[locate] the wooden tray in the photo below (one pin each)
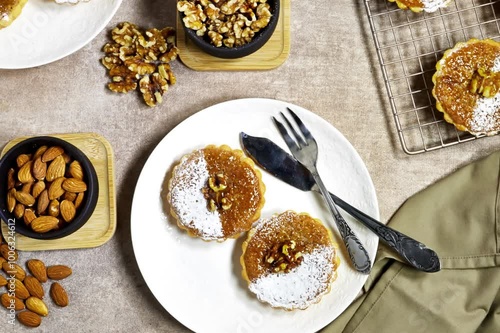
(271, 55)
(102, 224)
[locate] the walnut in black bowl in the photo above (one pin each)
(48, 188)
(229, 28)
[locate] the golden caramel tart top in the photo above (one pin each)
(466, 85)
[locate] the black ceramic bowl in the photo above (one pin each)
(256, 43)
(29, 146)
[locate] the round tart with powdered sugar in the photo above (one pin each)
(289, 260)
(417, 6)
(216, 193)
(467, 86)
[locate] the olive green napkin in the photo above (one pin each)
(458, 217)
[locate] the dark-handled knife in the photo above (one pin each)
(283, 166)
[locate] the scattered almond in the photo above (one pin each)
(43, 202)
(34, 286)
(8, 254)
(68, 210)
(55, 188)
(59, 295)
(14, 269)
(29, 216)
(37, 306)
(20, 290)
(58, 272)
(44, 223)
(24, 198)
(29, 318)
(24, 173)
(3, 281)
(75, 170)
(37, 268)
(39, 169)
(6, 301)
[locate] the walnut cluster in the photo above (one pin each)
(217, 193)
(141, 59)
(226, 22)
(283, 257)
(485, 83)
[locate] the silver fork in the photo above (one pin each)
(306, 152)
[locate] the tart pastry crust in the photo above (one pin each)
(467, 84)
(289, 260)
(418, 6)
(216, 193)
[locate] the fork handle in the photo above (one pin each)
(357, 252)
(414, 252)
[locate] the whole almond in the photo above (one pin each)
(43, 202)
(39, 152)
(44, 223)
(3, 281)
(34, 287)
(6, 301)
(39, 169)
(68, 210)
(53, 208)
(79, 199)
(29, 216)
(24, 198)
(29, 318)
(74, 185)
(27, 187)
(2, 260)
(20, 290)
(37, 268)
(14, 269)
(11, 182)
(24, 174)
(51, 153)
(55, 188)
(22, 160)
(70, 196)
(37, 306)
(59, 295)
(58, 272)
(8, 254)
(11, 200)
(75, 170)
(66, 157)
(19, 210)
(56, 168)
(38, 187)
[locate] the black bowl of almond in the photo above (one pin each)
(48, 188)
(229, 28)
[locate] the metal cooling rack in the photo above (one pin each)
(408, 47)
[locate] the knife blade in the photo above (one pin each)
(283, 166)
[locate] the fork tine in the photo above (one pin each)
(292, 145)
(301, 125)
(297, 136)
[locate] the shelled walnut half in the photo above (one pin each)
(141, 59)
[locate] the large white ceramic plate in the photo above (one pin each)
(46, 31)
(198, 282)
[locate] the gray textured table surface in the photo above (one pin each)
(332, 70)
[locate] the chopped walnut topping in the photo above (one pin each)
(217, 193)
(485, 83)
(283, 257)
(230, 23)
(137, 58)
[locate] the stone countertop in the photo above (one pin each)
(332, 70)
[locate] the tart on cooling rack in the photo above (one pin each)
(215, 193)
(289, 260)
(418, 6)
(467, 86)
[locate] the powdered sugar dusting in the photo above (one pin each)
(433, 5)
(302, 286)
(486, 114)
(496, 65)
(188, 201)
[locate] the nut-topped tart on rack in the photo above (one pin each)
(467, 86)
(418, 6)
(216, 193)
(289, 260)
